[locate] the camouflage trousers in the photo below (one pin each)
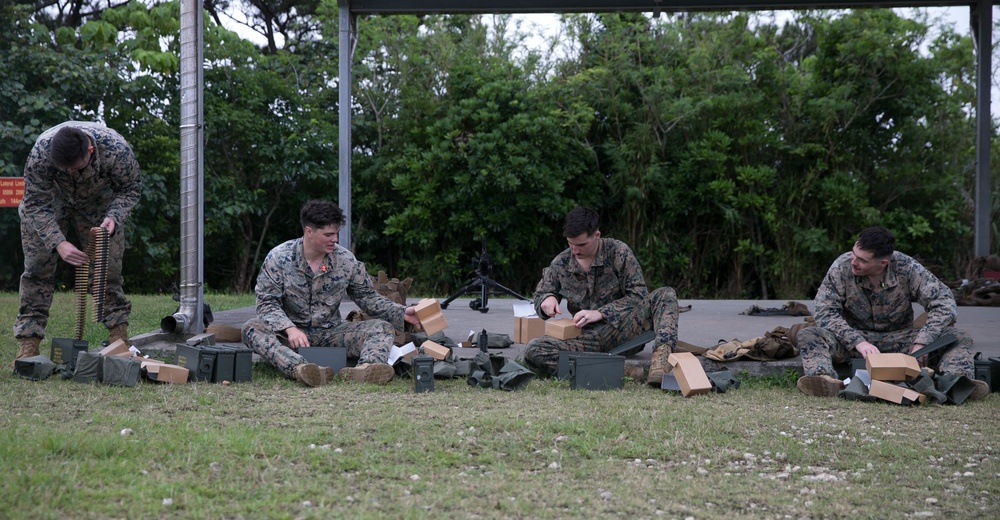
(366, 341)
(820, 349)
(658, 312)
(38, 279)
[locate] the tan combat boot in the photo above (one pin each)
(309, 374)
(27, 347)
(820, 385)
(658, 365)
(980, 391)
(118, 332)
(374, 373)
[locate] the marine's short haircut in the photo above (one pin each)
(321, 213)
(878, 241)
(581, 220)
(68, 146)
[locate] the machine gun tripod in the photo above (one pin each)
(483, 282)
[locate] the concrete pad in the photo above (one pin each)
(707, 323)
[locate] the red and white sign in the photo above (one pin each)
(11, 191)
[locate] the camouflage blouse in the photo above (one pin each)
(108, 187)
(848, 305)
(613, 285)
(290, 293)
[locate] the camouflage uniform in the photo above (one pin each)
(614, 285)
(55, 201)
(850, 310)
(290, 294)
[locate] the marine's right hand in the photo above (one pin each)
(71, 254)
(864, 348)
(296, 338)
(550, 307)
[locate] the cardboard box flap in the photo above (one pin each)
(891, 366)
(689, 373)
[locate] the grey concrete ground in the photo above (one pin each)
(704, 325)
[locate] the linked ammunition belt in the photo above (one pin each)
(92, 277)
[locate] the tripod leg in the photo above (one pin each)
(506, 290)
(463, 290)
(485, 285)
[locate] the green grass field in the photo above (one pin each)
(271, 448)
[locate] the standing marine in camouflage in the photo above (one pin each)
(299, 291)
(605, 292)
(78, 175)
(865, 306)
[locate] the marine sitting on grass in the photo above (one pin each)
(299, 291)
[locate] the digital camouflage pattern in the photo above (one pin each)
(849, 310)
(615, 286)
(56, 202)
(290, 294)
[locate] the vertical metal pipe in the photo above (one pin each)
(189, 318)
(344, 121)
(983, 37)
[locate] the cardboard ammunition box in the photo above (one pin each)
(895, 394)
(64, 351)
(429, 312)
(166, 373)
(199, 361)
(562, 364)
(225, 364)
(528, 328)
(689, 373)
(117, 348)
(470, 342)
(435, 350)
(892, 367)
(434, 324)
(427, 308)
(562, 328)
(333, 357)
(243, 362)
(596, 373)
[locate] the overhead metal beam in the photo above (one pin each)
(597, 6)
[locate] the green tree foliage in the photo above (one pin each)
(737, 157)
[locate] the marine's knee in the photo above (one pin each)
(664, 294)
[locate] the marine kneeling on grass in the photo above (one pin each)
(299, 291)
(865, 306)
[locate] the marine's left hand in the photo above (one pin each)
(109, 224)
(587, 317)
(410, 316)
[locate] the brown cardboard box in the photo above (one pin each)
(117, 348)
(689, 373)
(435, 350)
(166, 373)
(562, 328)
(427, 308)
(892, 367)
(527, 329)
(895, 394)
(429, 312)
(434, 324)
(470, 342)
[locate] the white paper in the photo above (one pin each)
(524, 310)
(397, 352)
(863, 376)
